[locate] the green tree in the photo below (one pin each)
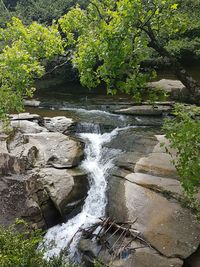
(23, 53)
(40, 11)
(110, 39)
(187, 44)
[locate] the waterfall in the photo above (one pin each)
(98, 162)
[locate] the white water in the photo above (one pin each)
(97, 164)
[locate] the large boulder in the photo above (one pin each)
(55, 149)
(174, 88)
(57, 124)
(67, 189)
(25, 126)
(168, 227)
(23, 196)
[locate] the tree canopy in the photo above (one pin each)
(23, 52)
(110, 39)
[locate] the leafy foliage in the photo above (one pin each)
(38, 10)
(110, 38)
(183, 131)
(23, 51)
(189, 41)
(19, 248)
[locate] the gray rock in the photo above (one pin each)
(24, 116)
(160, 184)
(145, 110)
(19, 200)
(146, 257)
(58, 184)
(158, 163)
(25, 126)
(57, 124)
(138, 256)
(10, 164)
(174, 87)
(168, 227)
(55, 149)
(31, 103)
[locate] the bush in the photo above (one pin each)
(19, 248)
(183, 132)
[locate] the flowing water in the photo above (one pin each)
(98, 163)
(98, 127)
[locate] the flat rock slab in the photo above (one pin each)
(145, 110)
(55, 149)
(168, 227)
(163, 185)
(158, 162)
(24, 116)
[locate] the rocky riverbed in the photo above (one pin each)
(42, 183)
(58, 164)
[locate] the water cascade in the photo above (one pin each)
(98, 163)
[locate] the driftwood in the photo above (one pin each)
(123, 234)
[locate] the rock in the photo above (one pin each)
(65, 188)
(10, 164)
(158, 163)
(57, 124)
(75, 200)
(137, 256)
(31, 103)
(92, 250)
(146, 257)
(55, 149)
(58, 184)
(24, 116)
(16, 200)
(145, 110)
(25, 126)
(174, 87)
(160, 184)
(169, 228)
(3, 143)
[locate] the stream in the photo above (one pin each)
(98, 163)
(106, 136)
